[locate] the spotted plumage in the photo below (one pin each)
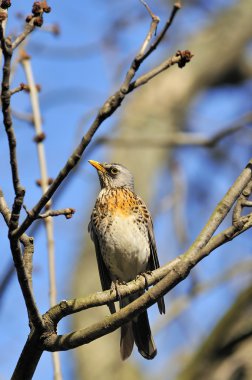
(122, 231)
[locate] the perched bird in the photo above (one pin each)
(122, 231)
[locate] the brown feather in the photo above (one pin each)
(127, 341)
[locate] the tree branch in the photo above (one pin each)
(39, 140)
(108, 108)
(33, 20)
(178, 138)
(171, 274)
(23, 266)
(175, 9)
(67, 212)
(12, 219)
(7, 120)
(165, 278)
(29, 358)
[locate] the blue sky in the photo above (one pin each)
(77, 73)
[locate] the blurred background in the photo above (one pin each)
(79, 57)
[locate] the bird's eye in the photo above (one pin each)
(114, 171)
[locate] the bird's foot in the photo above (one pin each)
(116, 286)
(145, 276)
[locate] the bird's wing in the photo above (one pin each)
(103, 272)
(153, 260)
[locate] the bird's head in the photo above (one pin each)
(113, 175)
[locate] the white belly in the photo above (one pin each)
(125, 248)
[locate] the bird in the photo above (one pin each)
(122, 231)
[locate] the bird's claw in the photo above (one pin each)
(116, 286)
(145, 276)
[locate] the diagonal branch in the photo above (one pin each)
(171, 274)
(32, 21)
(69, 307)
(108, 108)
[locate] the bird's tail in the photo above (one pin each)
(138, 331)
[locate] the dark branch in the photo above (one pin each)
(23, 266)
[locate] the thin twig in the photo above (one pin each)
(175, 9)
(21, 87)
(154, 23)
(180, 58)
(29, 28)
(32, 21)
(138, 59)
(26, 62)
(67, 212)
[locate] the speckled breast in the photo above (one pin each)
(120, 221)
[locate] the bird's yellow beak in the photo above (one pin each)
(97, 165)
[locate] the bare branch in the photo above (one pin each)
(24, 276)
(171, 275)
(67, 212)
(29, 28)
(154, 23)
(21, 87)
(176, 8)
(23, 266)
(33, 20)
(39, 140)
(5, 98)
(108, 108)
(179, 138)
(178, 58)
(68, 307)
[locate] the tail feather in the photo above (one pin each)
(127, 341)
(137, 331)
(143, 337)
